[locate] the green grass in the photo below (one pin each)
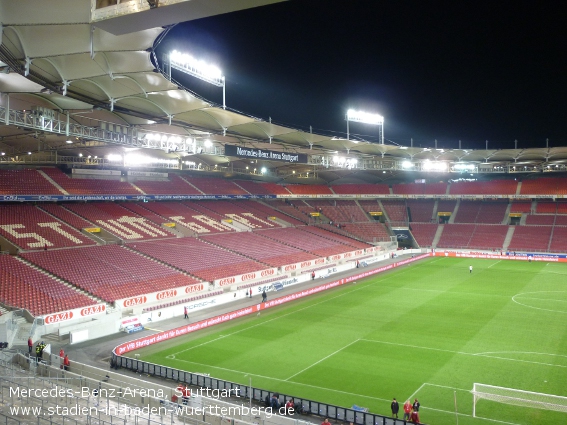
(429, 330)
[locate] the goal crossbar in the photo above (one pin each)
(518, 398)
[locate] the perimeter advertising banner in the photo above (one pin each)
(254, 153)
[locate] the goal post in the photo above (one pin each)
(516, 397)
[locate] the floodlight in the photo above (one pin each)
(69, 141)
(2, 153)
(197, 68)
(263, 170)
(208, 143)
(407, 164)
(365, 118)
(80, 155)
(114, 157)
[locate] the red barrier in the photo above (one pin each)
(184, 330)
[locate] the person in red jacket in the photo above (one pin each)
(61, 353)
(415, 417)
(30, 344)
(407, 410)
(66, 362)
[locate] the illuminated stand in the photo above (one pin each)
(196, 68)
(365, 118)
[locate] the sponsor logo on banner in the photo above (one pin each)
(335, 257)
(130, 302)
(290, 267)
(319, 261)
(248, 276)
(59, 317)
(166, 294)
(227, 281)
(359, 252)
(94, 309)
(347, 254)
(305, 264)
(194, 288)
(268, 272)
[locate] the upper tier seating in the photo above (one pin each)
(138, 208)
(199, 258)
(491, 187)
(421, 210)
(481, 212)
(335, 237)
(521, 207)
(237, 212)
(25, 182)
(562, 206)
(253, 187)
(189, 215)
(341, 211)
(261, 249)
(424, 233)
(396, 210)
(216, 186)
(306, 241)
(561, 220)
(446, 206)
(309, 189)
(28, 227)
(530, 238)
(274, 188)
(420, 188)
(370, 205)
(175, 185)
(545, 186)
(298, 217)
(119, 221)
(369, 232)
(90, 186)
(24, 287)
(110, 272)
(361, 189)
(546, 207)
(264, 212)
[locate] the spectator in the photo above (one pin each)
(313, 275)
(395, 406)
(61, 352)
(326, 422)
(407, 410)
(415, 417)
(470, 269)
(66, 362)
(289, 407)
(275, 403)
(185, 312)
(30, 345)
(264, 296)
(416, 405)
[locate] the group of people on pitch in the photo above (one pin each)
(411, 411)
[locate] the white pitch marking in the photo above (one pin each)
(445, 386)
(462, 352)
(324, 358)
(416, 391)
(494, 264)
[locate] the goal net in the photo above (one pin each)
(518, 398)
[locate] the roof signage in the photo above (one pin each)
(242, 152)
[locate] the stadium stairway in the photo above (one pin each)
(454, 214)
(191, 184)
(435, 208)
(509, 236)
(438, 234)
(506, 218)
(59, 188)
(384, 213)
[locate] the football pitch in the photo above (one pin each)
(428, 330)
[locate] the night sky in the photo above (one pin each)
(470, 71)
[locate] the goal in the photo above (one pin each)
(518, 398)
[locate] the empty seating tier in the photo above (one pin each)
(309, 189)
(306, 241)
(424, 233)
(90, 186)
(253, 187)
(559, 240)
(119, 221)
(420, 188)
(368, 232)
(490, 187)
(341, 211)
(545, 186)
(25, 182)
(530, 238)
(275, 189)
(361, 189)
(25, 287)
(337, 238)
(110, 272)
(456, 235)
(173, 185)
(199, 258)
(521, 207)
(481, 212)
(421, 210)
(396, 210)
(262, 249)
(216, 186)
(237, 212)
(28, 227)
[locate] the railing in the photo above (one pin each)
(309, 406)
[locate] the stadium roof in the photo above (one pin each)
(58, 59)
